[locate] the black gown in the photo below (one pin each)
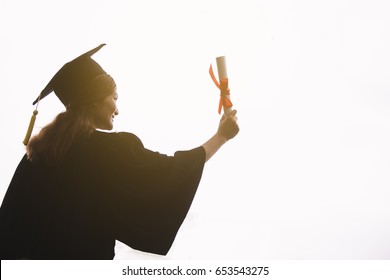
(108, 188)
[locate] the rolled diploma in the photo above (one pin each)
(222, 73)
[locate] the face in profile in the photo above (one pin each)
(106, 111)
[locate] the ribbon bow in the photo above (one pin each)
(225, 91)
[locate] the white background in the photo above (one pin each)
(308, 175)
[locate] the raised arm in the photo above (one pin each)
(228, 128)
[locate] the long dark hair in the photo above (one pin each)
(51, 144)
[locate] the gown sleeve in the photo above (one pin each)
(151, 192)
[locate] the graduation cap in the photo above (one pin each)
(69, 84)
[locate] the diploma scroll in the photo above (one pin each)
(223, 85)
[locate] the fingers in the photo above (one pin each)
(229, 126)
(232, 113)
(231, 116)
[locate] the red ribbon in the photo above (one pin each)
(225, 91)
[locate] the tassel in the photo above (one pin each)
(30, 127)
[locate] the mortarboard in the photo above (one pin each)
(70, 82)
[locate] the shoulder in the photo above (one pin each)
(101, 153)
(100, 145)
(114, 138)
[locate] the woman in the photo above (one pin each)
(79, 189)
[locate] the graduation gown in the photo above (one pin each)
(108, 188)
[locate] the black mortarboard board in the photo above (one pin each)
(70, 81)
(69, 84)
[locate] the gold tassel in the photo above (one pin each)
(30, 127)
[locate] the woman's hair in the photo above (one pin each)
(51, 144)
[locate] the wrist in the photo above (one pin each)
(221, 138)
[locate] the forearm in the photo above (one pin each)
(213, 145)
